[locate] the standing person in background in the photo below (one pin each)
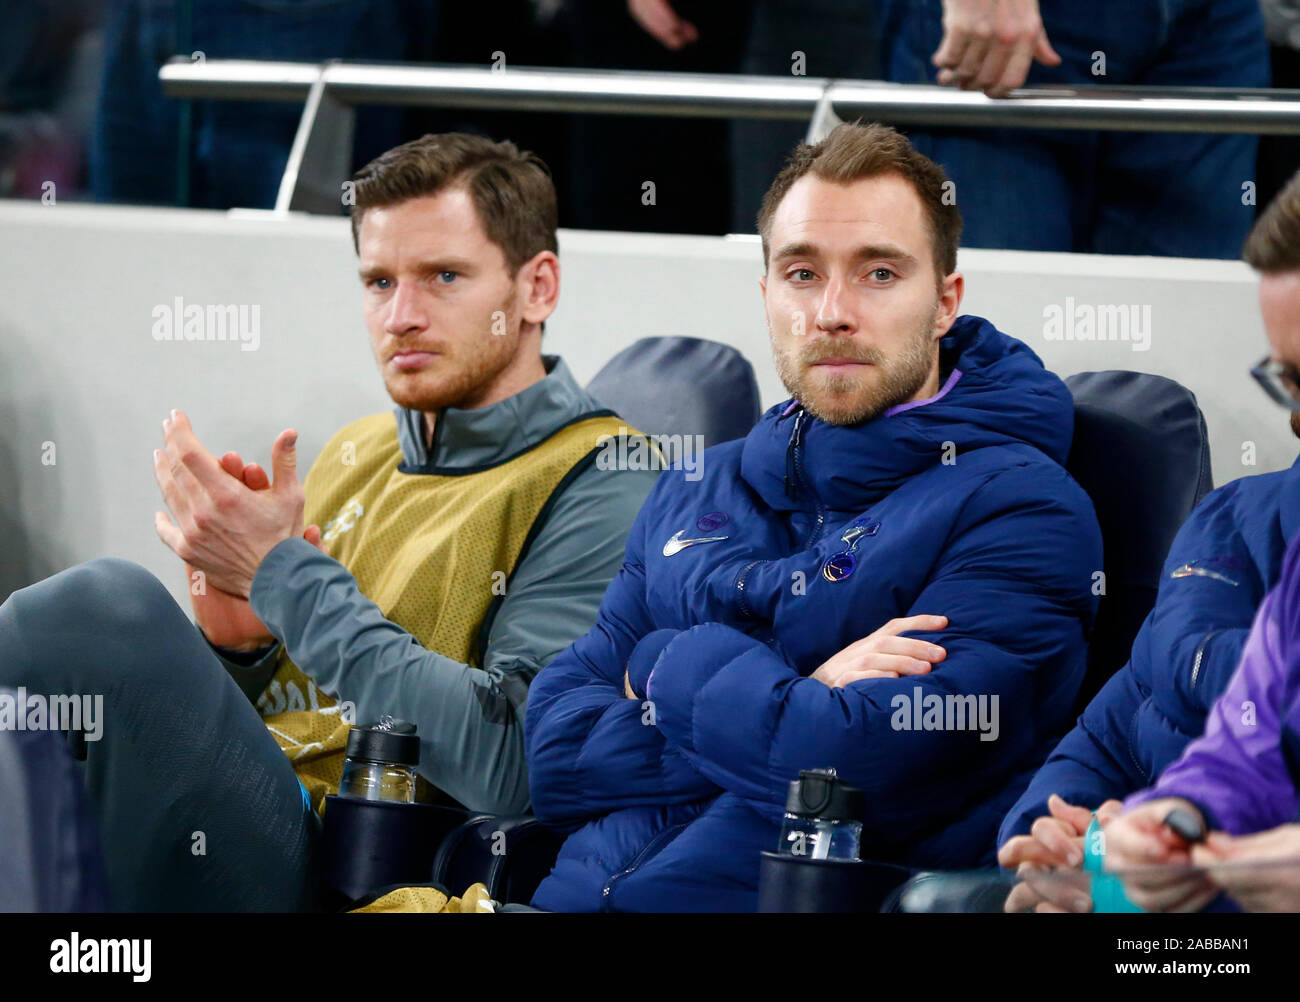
(1179, 194)
(150, 149)
(816, 38)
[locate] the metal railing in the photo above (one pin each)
(319, 160)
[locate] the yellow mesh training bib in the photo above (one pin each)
(432, 550)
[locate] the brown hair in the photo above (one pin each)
(1274, 241)
(853, 152)
(511, 188)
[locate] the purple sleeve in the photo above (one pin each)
(1236, 771)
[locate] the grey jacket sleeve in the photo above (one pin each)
(470, 720)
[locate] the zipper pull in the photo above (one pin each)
(796, 435)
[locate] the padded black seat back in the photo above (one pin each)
(681, 386)
(1142, 453)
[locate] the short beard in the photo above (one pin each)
(475, 367)
(898, 377)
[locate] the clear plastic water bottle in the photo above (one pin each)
(823, 817)
(381, 761)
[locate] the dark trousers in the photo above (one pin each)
(197, 807)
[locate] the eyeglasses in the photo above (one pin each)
(1281, 382)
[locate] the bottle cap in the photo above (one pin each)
(386, 740)
(820, 793)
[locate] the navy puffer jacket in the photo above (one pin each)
(1224, 560)
(958, 505)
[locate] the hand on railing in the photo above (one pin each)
(659, 19)
(989, 45)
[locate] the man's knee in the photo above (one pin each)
(97, 596)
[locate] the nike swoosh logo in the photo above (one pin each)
(677, 544)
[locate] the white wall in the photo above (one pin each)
(79, 366)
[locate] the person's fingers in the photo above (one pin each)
(658, 18)
(896, 663)
(977, 51)
(912, 647)
(1001, 47)
(233, 464)
(1022, 898)
(1220, 844)
(1158, 898)
(313, 535)
(1046, 907)
(250, 474)
(1194, 896)
(1044, 52)
(1133, 839)
(186, 450)
(849, 677)
(1064, 890)
(1024, 849)
(171, 535)
(1050, 831)
(1014, 71)
(952, 47)
(177, 501)
(1164, 881)
(284, 460)
(255, 477)
(909, 624)
(1108, 811)
(1241, 879)
(1078, 818)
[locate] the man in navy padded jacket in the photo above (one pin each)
(760, 623)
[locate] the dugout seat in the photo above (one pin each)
(671, 386)
(1142, 453)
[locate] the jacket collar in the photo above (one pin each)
(996, 392)
(487, 436)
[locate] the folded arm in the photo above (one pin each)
(1015, 586)
(590, 748)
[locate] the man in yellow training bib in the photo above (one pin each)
(435, 558)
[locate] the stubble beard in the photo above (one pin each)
(459, 377)
(895, 379)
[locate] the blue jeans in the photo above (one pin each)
(1168, 193)
(147, 148)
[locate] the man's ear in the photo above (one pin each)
(539, 285)
(951, 290)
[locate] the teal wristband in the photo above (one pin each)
(1108, 895)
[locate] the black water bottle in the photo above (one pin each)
(823, 817)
